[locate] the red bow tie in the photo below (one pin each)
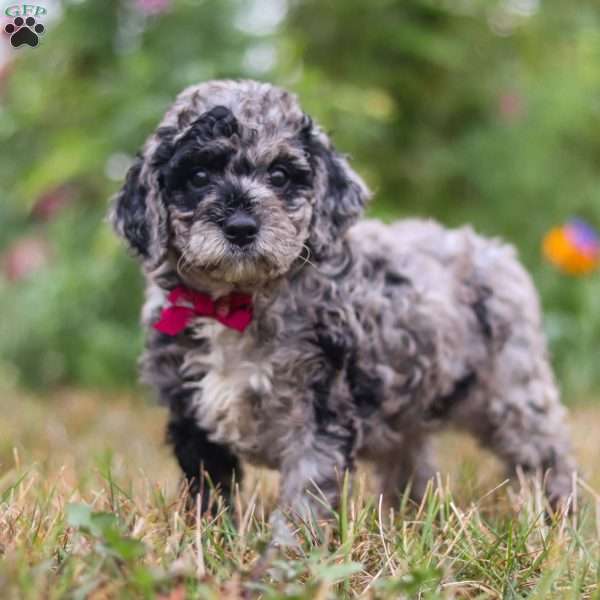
(233, 310)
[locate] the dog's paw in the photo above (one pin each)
(282, 534)
(24, 31)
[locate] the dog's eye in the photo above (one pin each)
(278, 177)
(199, 179)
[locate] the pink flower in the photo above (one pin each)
(52, 202)
(511, 106)
(152, 7)
(24, 257)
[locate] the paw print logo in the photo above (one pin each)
(24, 31)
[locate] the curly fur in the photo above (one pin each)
(366, 337)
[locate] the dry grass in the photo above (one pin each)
(90, 508)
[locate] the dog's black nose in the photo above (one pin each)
(240, 228)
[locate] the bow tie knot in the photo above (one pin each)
(233, 310)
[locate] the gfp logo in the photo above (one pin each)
(24, 29)
(25, 10)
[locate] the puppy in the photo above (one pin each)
(283, 331)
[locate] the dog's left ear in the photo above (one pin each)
(138, 216)
(340, 193)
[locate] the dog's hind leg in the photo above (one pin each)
(407, 468)
(518, 416)
(513, 404)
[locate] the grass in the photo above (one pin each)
(90, 507)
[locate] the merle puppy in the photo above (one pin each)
(283, 331)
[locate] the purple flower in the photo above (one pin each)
(583, 236)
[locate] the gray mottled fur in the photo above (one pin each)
(366, 337)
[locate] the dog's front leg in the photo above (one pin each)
(205, 464)
(311, 474)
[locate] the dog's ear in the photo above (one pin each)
(340, 193)
(138, 217)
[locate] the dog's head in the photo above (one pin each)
(235, 185)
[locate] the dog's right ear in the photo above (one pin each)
(138, 213)
(129, 211)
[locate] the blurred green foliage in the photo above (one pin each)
(467, 111)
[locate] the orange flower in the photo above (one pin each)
(572, 248)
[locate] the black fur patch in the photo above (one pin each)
(334, 349)
(442, 406)
(232, 197)
(177, 162)
(481, 312)
(196, 454)
(335, 426)
(343, 201)
(321, 393)
(395, 279)
(550, 461)
(366, 389)
(217, 122)
(165, 149)
(335, 346)
(131, 210)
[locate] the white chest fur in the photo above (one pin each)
(235, 371)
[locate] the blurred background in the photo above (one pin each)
(480, 111)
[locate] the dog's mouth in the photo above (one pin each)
(266, 255)
(249, 251)
(240, 266)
